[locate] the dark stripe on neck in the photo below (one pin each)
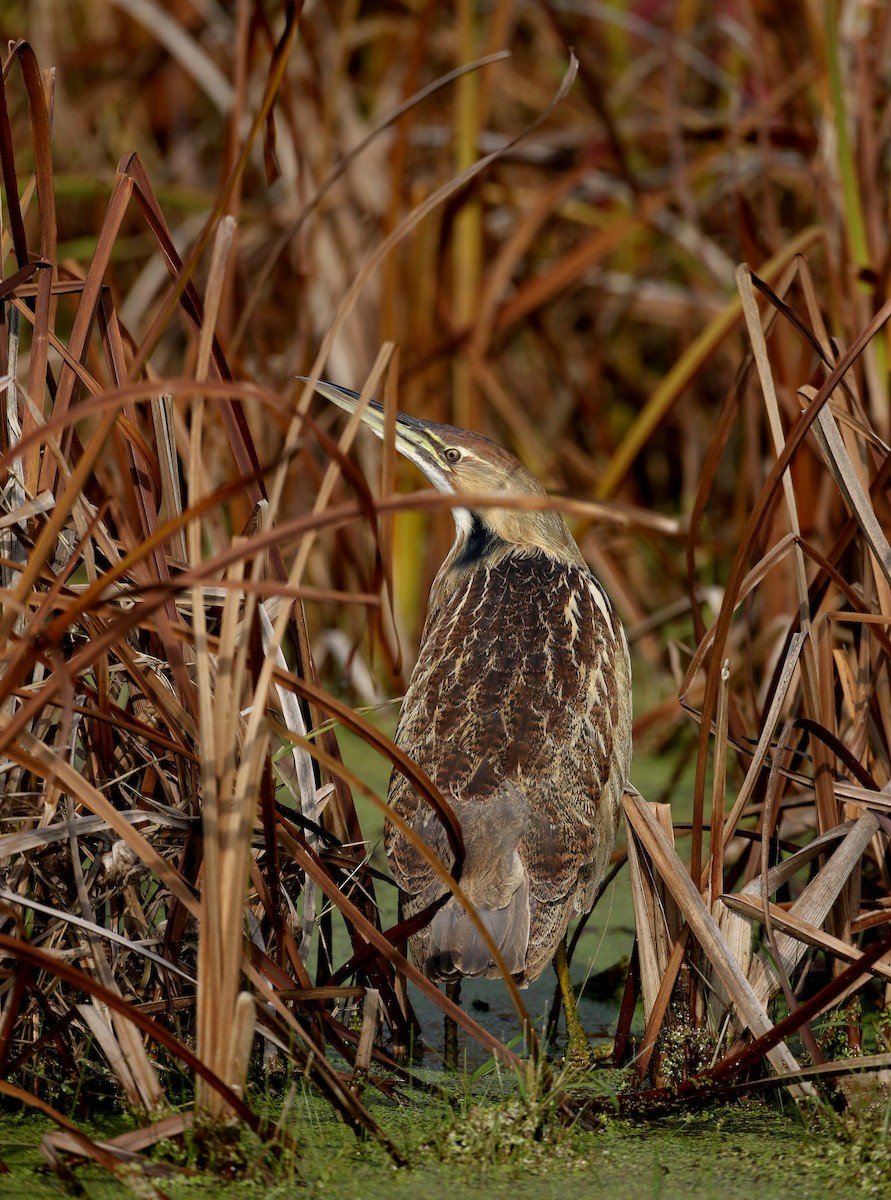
(481, 541)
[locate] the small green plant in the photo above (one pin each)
(862, 1143)
(834, 1036)
(524, 1126)
(685, 1048)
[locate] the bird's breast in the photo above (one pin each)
(518, 710)
(516, 665)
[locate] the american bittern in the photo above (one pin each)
(519, 710)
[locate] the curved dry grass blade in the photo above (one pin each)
(315, 200)
(837, 459)
(71, 1140)
(688, 365)
(187, 51)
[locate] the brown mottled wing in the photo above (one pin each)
(518, 692)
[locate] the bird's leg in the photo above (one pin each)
(401, 989)
(450, 1042)
(578, 1052)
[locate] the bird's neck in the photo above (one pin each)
(488, 540)
(497, 532)
(475, 545)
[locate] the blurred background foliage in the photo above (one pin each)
(547, 301)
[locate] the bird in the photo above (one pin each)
(519, 711)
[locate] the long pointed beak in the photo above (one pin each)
(415, 439)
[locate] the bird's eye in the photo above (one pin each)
(452, 455)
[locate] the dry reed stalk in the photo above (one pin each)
(599, 275)
(837, 881)
(70, 730)
(660, 934)
(467, 238)
(656, 916)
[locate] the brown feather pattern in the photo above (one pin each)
(519, 710)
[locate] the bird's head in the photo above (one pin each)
(464, 463)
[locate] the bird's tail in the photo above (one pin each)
(456, 946)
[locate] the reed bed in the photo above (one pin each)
(201, 587)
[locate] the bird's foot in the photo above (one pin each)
(450, 1046)
(450, 1039)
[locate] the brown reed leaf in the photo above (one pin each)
(704, 928)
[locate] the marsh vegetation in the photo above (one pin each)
(656, 267)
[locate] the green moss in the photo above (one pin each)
(504, 1141)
